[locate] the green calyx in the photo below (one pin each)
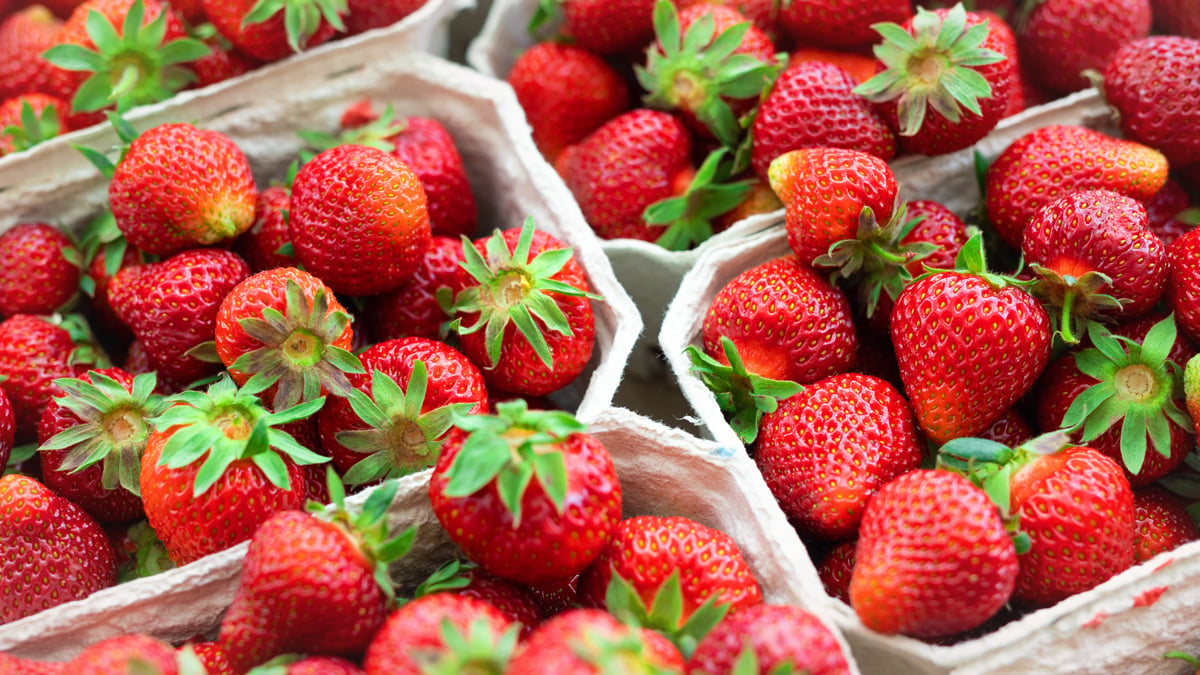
(373, 135)
(972, 260)
(188, 662)
(448, 577)
(513, 447)
(934, 66)
(547, 12)
(747, 664)
(298, 355)
(743, 396)
(129, 68)
(149, 554)
(127, 135)
(696, 72)
(665, 613)
(34, 127)
(689, 216)
(1078, 299)
(113, 427)
(101, 236)
(1191, 387)
(87, 351)
(477, 651)
(512, 289)
(401, 439)
(223, 425)
(1137, 385)
(301, 18)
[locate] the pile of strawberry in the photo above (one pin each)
(343, 319)
(62, 62)
(959, 445)
(663, 116)
(555, 581)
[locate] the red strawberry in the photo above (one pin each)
(516, 602)
(221, 63)
(335, 592)
(1183, 284)
(413, 310)
(764, 13)
(52, 551)
(548, 81)
(827, 450)
(445, 631)
(295, 664)
(1009, 429)
(1050, 162)
(29, 119)
(269, 31)
(589, 642)
(260, 246)
(33, 353)
(812, 105)
(8, 428)
(105, 252)
(1176, 16)
(526, 532)
(927, 520)
(336, 225)
(1147, 82)
(1161, 523)
(36, 274)
(836, 568)
(365, 15)
(212, 656)
(124, 654)
(24, 37)
(839, 23)
(1060, 39)
(1167, 212)
(602, 26)
(15, 665)
(778, 636)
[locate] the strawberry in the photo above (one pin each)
(1161, 523)
(605, 27)
(547, 80)
(811, 105)
(263, 245)
(29, 119)
(764, 13)
(1090, 243)
(336, 592)
(838, 23)
(827, 450)
(284, 333)
(1183, 284)
(958, 387)
(1060, 39)
(124, 654)
(592, 642)
(221, 62)
(8, 428)
(358, 219)
(104, 252)
(835, 569)
(1050, 162)
(216, 453)
(502, 485)
(295, 664)
(860, 67)
(36, 274)
(1146, 82)
(365, 15)
(931, 520)
(34, 351)
(172, 307)
(413, 310)
(177, 187)
(1177, 17)
(442, 632)
(1168, 215)
(1010, 429)
(15, 665)
(516, 602)
(530, 297)
(212, 656)
(770, 637)
(269, 30)
(53, 552)
(24, 36)
(933, 67)
(91, 441)
(395, 415)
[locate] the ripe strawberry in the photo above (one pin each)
(24, 36)
(34, 351)
(8, 428)
(29, 119)
(774, 636)
(811, 105)
(36, 274)
(1161, 523)
(931, 520)
(413, 310)
(358, 219)
(1158, 104)
(283, 333)
(365, 15)
(592, 642)
(172, 307)
(263, 245)
(1052, 161)
(566, 92)
(104, 252)
(515, 602)
(15, 665)
(53, 552)
(605, 27)
(520, 528)
(442, 632)
(1060, 39)
(827, 450)
(221, 62)
(1168, 215)
(125, 654)
(1183, 284)
(530, 296)
(836, 568)
(214, 454)
(1177, 17)
(177, 187)
(335, 593)
(212, 656)
(91, 440)
(1009, 429)
(839, 23)
(958, 387)
(269, 30)
(934, 66)
(860, 67)
(764, 13)
(1095, 257)
(296, 664)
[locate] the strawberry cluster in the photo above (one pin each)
(63, 62)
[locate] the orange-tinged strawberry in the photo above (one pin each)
(860, 68)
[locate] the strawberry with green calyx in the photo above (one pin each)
(606, 27)
(39, 272)
(38, 118)
(1191, 389)
(1161, 522)
(769, 640)
(514, 601)
(35, 351)
(593, 642)
(269, 30)
(689, 217)
(140, 553)
(443, 634)
(743, 396)
(665, 613)
(132, 65)
(524, 313)
(298, 664)
(502, 486)
(703, 72)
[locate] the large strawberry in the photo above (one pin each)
(1061, 39)
(839, 23)
(442, 632)
(775, 636)
(969, 345)
(528, 495)
(358, 219)
(315, 582)
(269, 30)
(37, 276)
(1157, 102)
(592, 642)
(24, 36)
(51, 551)
(35, 351)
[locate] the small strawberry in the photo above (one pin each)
(839, 23)
(1161, 523)
(1060, 39)
(269, 30)
(35, 351)
(37, 273)
(608, 27)
(52, 551)
(212, 656)
(221, 62)
(1183, 284)
(336, 591)
(126, 654)
(1010, 429)
(365, 15)
(413, 310)
(1157, 103)
(592, 642)
(30, 119)
(266, 244)
(502, 486)
(24, 36)
(104, 251)
(770, 637)
(445, 633)
(835, 569)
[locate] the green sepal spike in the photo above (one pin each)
(301, 18)
(689, 217)
(743, 396)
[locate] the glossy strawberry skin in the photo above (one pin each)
(1163, 209)
(306, 587)
(33, 353)
(336, 225)
(53, 552)
(259, 246)
(426, 147)
(933, 557)
(124, 653)
(827, 450)
(1183, 284)
(516, 602)
(24, 36)
(1010, 428)
(835, 569)
(608, 26)
(839, 23)
(1063, 38)
(266, 41)
(35, 275)
(777, 634)
(221, 63)
(412, 636)
(957, 387)
(561, 646)
(365, 15)
(413, 310)
(1074, 504)
(8, 428)
(1148, 83)
(1161, 523)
